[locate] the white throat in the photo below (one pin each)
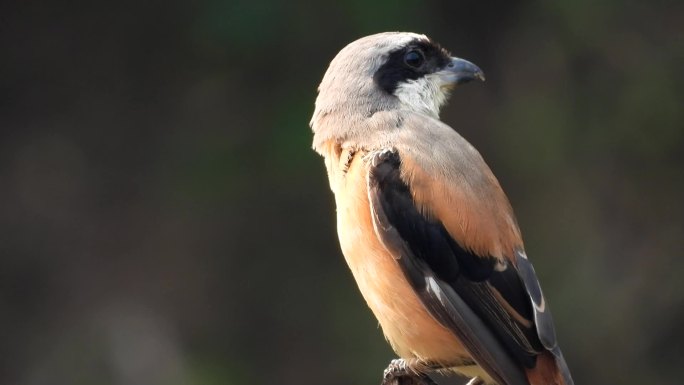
(425, 95)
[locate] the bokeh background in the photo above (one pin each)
(164, 221)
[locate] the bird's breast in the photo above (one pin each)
(405, 321)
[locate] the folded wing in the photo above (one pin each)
(492, 304)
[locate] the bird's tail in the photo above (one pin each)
(550, 369)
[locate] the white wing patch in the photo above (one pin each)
(542, 306)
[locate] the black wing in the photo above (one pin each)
(488, 306)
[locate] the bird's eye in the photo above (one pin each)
(414, 59)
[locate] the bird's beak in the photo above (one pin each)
(460, 71)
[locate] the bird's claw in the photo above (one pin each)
(399, 372)
(396, 368)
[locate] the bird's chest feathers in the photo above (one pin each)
(367, 257)
(411, 330)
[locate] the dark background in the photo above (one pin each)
(164, 221)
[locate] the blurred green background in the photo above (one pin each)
(164, 221)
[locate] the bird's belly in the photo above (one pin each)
(405, 321)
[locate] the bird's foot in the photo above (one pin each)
(396, 368)
(475, 381)
(403, 372)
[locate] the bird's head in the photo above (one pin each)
(392, 70)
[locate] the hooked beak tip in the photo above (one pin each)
(465, 71)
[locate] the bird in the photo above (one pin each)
(424, 225)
